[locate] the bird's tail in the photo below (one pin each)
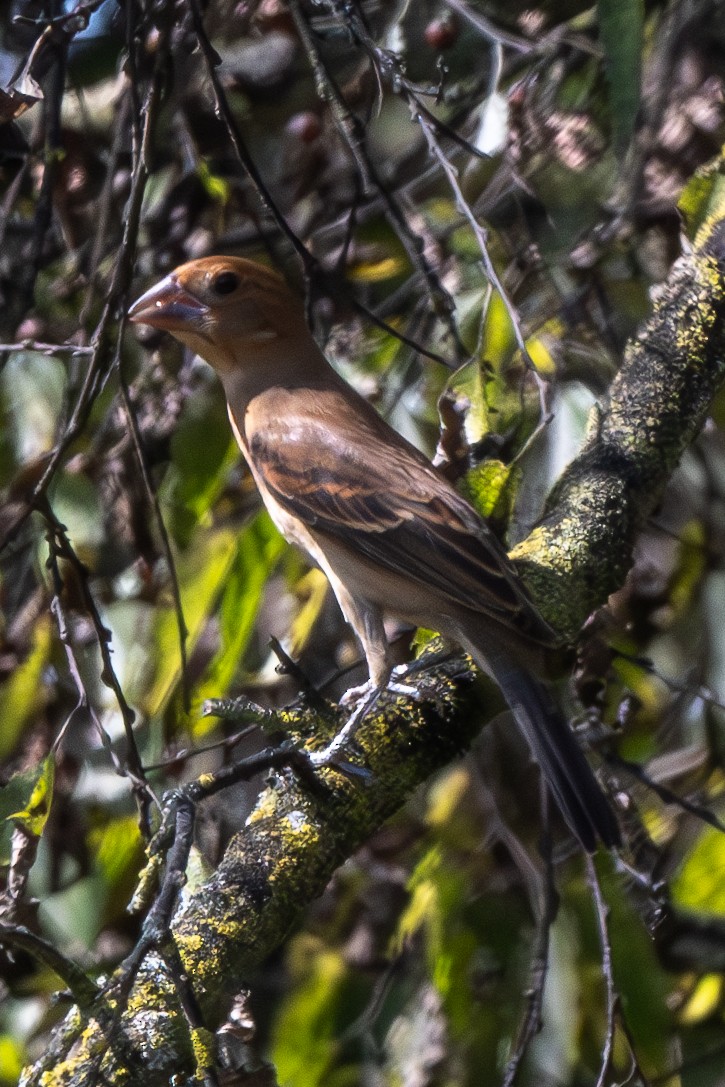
(568, 775)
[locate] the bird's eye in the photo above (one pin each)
(225, 283)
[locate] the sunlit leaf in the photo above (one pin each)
(699, 885)
(259, 549)
(23, 692)
(313, 587)
(703, 197)
(202, 570)
(377, 271)
(704, 1000)
(541, 356)
(217, 187)
(12, 1059)
(34, 815)
(498, 340)
(304, 1039)
(492, 487)
(117, 847)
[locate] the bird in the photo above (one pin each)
(391, 533)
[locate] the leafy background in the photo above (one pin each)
(478, 200)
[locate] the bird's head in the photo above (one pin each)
(226, 309)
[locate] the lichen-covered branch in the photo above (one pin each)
(279, 862)
(658, 402)
(295, 839)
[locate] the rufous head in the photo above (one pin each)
(223, 308)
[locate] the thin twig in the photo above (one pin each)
(352, 134)
(60, 547)
(224, 113)
(530, 1022)
(137, 444)
(481, 237)
(83, 989)
(665, 794)
(489, 30)
(602, 914)
(104, 353)
(47, 348)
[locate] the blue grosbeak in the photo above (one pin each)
(389, 531)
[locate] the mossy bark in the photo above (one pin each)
(658, 402)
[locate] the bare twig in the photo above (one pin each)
(602, 914)
(47, 348)
(83, 989)
(530, 1021)
(60, 547)
(481, 237)
(105, 349)
(225, 114)
(137, 443)
(488, 29)
(352, 133)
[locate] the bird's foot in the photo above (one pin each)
(357, 695)
(354, 695)
(365, 699)
(331, 756)
(405, 690)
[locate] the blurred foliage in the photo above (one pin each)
(500, 186)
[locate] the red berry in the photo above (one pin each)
(305, 126)
(442, 33)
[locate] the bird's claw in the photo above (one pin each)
(330, 756)
(405, 690)
(365, 699)
(368, 693)
(356, 694)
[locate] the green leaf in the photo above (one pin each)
(499, 341)
(699, 884)
(32, 388)
(465, 936)
(304, 1041)
(34, 815)
(621, 26)
(642, 982)
(703, 198)
(692, 565)
(12, 1059)
(313, 586)
(228, 563)
(23, 692)
(116, 846)
(202, 451)
(466, 388)
(218, 188)
(202, 571)
(259, 549)
(492, 488)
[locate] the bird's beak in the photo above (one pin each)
(168, 306)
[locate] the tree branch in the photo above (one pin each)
(658, 402)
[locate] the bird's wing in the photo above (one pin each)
(353, 479)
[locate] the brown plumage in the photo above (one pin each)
(389, 531)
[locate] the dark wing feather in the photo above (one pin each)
(358, 481)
